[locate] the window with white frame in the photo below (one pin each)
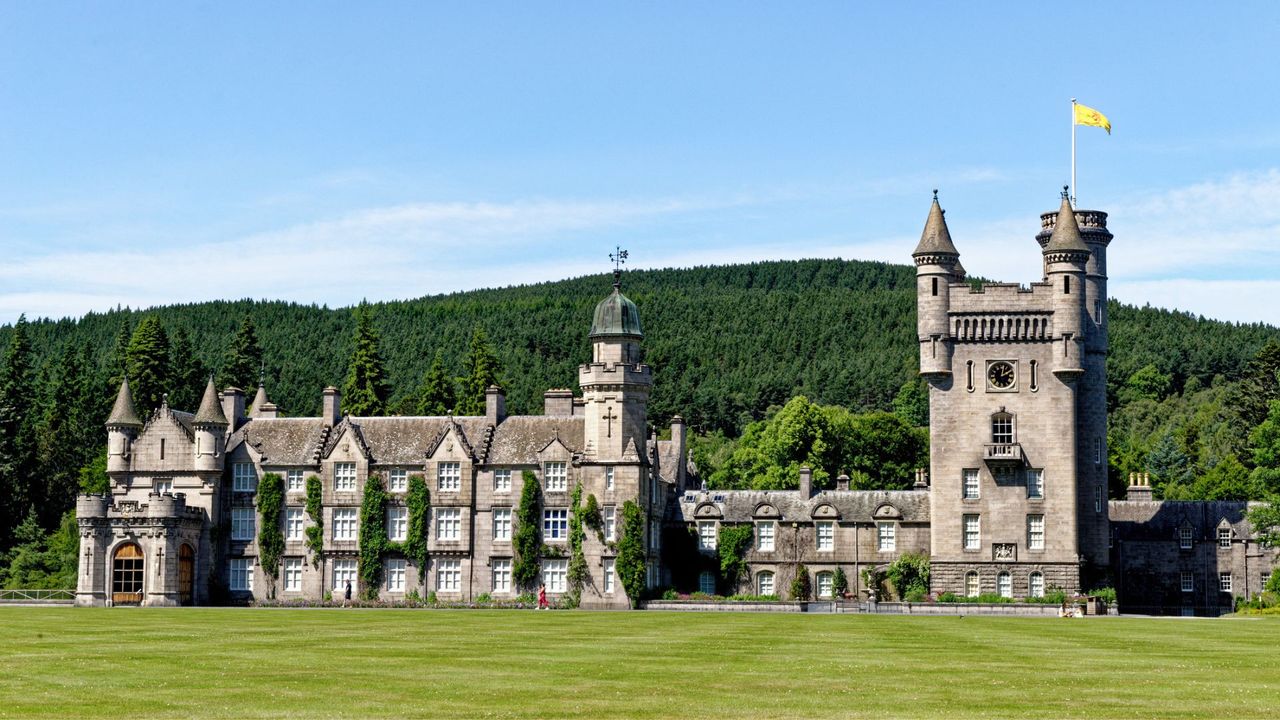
(655, 533)
(886, 537)
(608, 477)
(243, 477)
(971, 584)
(764, 539)
(293, 523)
(162, 485)
(1004, 584)
(240, 574)
(449, 575)
(1097, 498)
(397, 523)
(707, 582)
(344, 571)
(502, 524)
(1184, 537)
(970, 487)
(1035, 532)
(764, 583)
(1035, 484)
(609, 579)
(344, 524)
(556, 475)
(449, 476)
(294, 481)
(554, 575)
(448, 524)
(1001, 429)
(1187, 582)
(706, 534)
(1035, 583)
(398, 480)
(395, 574)
(825, 530)
(1224, 582)
(1224, 537)
(610, 523)
(825, 585)
(242, 523)
(502, 481)
(972, 532)
(292, 574)
(555, 524)
(501, 575)
(344, 477)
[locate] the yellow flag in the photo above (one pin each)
(1086, 115)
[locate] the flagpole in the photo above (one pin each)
(1073, 151)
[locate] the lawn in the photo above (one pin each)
(64, 662)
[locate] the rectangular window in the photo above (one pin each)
(764, 536)
(1035, 532)
(972, 532)
(826, 533)
(608, 478)
(241, 574)
(707, 582)
(556, 475)
(970, 484)
(448, 524)
(163, 485)
(886, 537)
(1224, 537)
(294, 481)
(293, 574)
(293, 523)
(554, 574)
(1035, 484)
(395, 575)
(502, 524)
(397, 523)
(655, 533)
(502, 576)
(344, 571)
(1224, 582)
(242, 523)
(449, 575)
(502, 481)
(610, 524)
(344, 477)
(706, 535)
(1188, 582)
(765, 583)
(608, 576)
(1002, 429)
(344, 523)
(1184, 538)
(398, 480)
(449, 476)
(824, 585)
(243, 477)
(1097, 451)
(555, 524)
(1097, 498)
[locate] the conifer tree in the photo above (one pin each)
(69, 433)
(189, 374)
(482, 371)
(365, 391)
(119, 356)
(436, 396)
(17, 433)
(147, 360)
(243, 361)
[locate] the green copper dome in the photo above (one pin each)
(616, 316)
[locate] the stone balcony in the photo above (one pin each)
(1003, 453)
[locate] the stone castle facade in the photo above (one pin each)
(1014, 502)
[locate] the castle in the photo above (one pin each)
(1014, 502)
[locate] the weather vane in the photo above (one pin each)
(619, 258)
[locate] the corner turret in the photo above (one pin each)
(210, 425)
(123, 425)
(1065, 258)
(937, 267)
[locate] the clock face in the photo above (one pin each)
(1000, 375)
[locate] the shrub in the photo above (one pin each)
(670, 594)
(1273, 582)
(910, 575)
(801, 585)
(484, 599)
(839, 583)
(1106, 594)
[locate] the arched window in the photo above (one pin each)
(1004, 585)
(971, 584)
(825, 585)
(1002, 428)
(126, 575)
(764, 583)
(1036, 584)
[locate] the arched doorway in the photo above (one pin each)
(126, 575)
(186, 573)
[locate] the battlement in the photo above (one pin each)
(617, 372)
(1093, 226)
(998, 297)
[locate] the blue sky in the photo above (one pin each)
(175, 152)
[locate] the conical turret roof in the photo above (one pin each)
(1066, 231)
(261, 398)
(936, 238)
(123, 412)
(210, 412)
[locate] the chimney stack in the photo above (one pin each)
(233, 407)
(680, 441)
(806, 483)
(842, 482)
(495, 404)
(557, 402)
(922, 479)
(332, 406)
(1139, 487)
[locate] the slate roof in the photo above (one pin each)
(668, 457)
(518, 439)
(1066, 231)
(210, 411)
(1161, 519)
(740, 505)
(936, 238)
(282, 441)
(123, 412)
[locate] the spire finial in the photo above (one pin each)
(1065, 193)
(935, 194)
(262, 374)
(619, 258)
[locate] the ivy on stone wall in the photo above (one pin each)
(528, 533)
(630, 564)
(732, 544)
(592, 518)
(270, 535)
(373, 536)
(315, 510)
(577, 574)
(415, 545)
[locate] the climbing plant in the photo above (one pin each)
(732, 544)
(528, 534)
(270, 536)
(373, 535)
(630, 564)
(577, 574)
(415, 545)
(592, 518)
(315, 531)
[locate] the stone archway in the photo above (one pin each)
(127, 565)
(186, 575)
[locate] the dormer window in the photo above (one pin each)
(1184, 537)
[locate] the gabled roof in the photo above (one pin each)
(518, 439)
(861, 505)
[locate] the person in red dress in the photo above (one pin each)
(542, 598)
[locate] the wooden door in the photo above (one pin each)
(186, 574)
(126, 575)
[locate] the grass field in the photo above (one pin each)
(65, 663)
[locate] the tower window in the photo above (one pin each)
(1002, 428)
(969, 375)
(1066, 285)
(935, 287)
(1035, 376)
